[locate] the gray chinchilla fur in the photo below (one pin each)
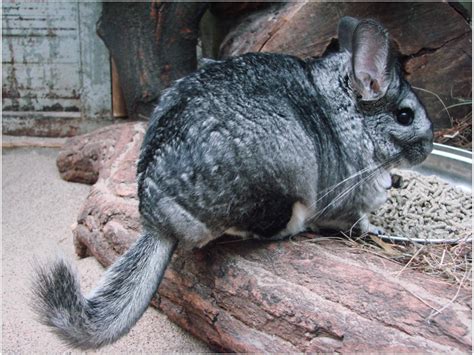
(261, 145)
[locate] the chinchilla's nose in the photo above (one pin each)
(427, 138)
(428, 144)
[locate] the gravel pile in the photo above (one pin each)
(425, 207)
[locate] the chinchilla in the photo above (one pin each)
(262, 145)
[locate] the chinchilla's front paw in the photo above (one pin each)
(366, 227)
(375, 230)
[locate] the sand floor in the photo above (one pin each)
(38, 209)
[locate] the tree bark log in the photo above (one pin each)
(152, 44)
(433, 38)
(252, 296)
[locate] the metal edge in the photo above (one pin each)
(452, 153)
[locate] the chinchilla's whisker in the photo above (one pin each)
(353, 176)
(335, 186)
(343, 194)
(346, 191)
(355, 224)
(359, 173)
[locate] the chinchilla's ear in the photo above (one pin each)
(345, 30)
(372, 60)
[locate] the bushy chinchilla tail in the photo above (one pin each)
(117, 303)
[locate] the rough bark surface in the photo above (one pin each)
(153, 44)
(434, 40)
(82, 157)
(289, 296)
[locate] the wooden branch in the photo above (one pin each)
(152, 44)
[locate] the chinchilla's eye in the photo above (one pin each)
(405, 116)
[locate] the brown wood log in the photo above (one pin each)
(288, 296)
(221, 17)
(83, 158)
(152, 44)
(434, 41)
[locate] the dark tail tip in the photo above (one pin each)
(58, 302)
(52, 288)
